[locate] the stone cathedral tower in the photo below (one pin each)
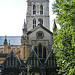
(37, 12)
(24, 43)
(37, 30)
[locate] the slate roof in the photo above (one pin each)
(14, 40)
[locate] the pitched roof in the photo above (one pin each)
(10, 54)
(49, 55)
(14, 40)
(33, 54)
(39, 26)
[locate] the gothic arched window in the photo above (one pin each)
(34, 23)
(40, 51)
(35, 49)
(34, 9)
(41, 21)
(44, 52)
(41, 9)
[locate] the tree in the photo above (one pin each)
(64, 40)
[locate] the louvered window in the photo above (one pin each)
(41, 9)
(34, 9)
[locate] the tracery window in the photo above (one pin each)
(41, 50)
(34, 23)
(34, 9)
(41, 9)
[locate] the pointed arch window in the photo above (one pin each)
(41, 9)
(34, 23)
(34, 9)
(35, 49)
(40, 21)
(40, 51)
(44, 52)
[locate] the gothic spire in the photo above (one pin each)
(24, 29)
(5, 41)
(25, 26)
(54, 26)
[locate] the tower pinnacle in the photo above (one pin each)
(24, 29)
(5, 41)
(54, 26)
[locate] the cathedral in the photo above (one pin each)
(31, 53)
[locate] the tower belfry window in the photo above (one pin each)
(34, 23)
(40, 21)
(41, 9)
(34, 9)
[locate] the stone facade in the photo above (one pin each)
(35, 55)
(37, 9)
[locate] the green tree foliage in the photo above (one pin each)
(64, 44)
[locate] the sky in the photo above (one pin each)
(12, 15)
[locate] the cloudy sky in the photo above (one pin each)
(12, 15)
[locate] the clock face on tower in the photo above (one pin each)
(40, 35)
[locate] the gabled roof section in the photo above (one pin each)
(51, 60)
(39, 26)
(33, 56)
(49, 55)
(12, 54)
